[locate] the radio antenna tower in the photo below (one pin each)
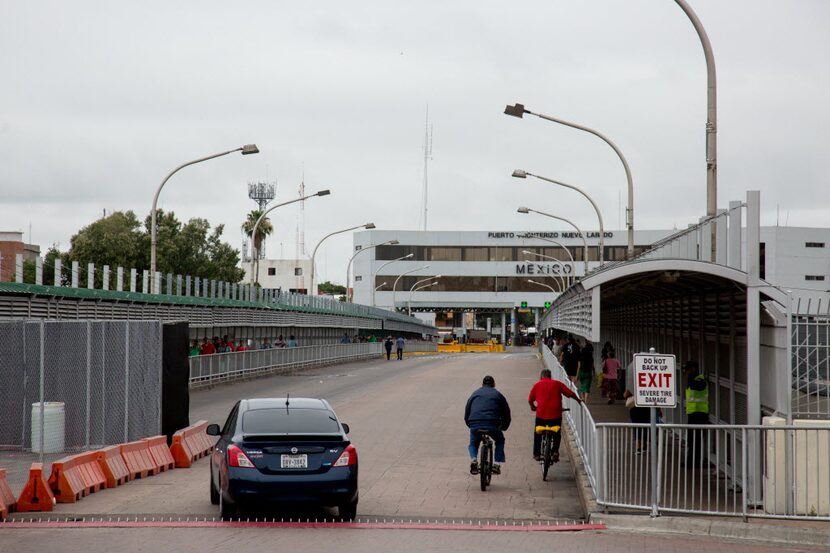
(300, 252)
(262, 193)
(427, 158)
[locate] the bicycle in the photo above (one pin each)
(548, 434)
(485, 455)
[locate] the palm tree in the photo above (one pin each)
(263, 230)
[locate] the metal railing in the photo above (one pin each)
(579, 421)
(220, 367)
(747, 471)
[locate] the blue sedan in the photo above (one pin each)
(277, 451)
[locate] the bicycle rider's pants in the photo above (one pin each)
(497, 436)
(537, 438)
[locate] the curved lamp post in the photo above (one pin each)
(323, 239)
(381, 267)
(349, 295)
(254, 252)
(567, 251)
(518, 110)
(395, 284)
(558, 279)
(581, 234)
(246, 150)
(541, 284)
(562, 277)
(381, 285)
(413, 290)
(521, 174)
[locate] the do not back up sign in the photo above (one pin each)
(654, 380)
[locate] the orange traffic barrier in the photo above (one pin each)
(138, 460)
(7, 499)
(112, 465)
(160, 453)
(36, 495)
(76, 476)
(191, 443)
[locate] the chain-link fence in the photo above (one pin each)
(69, 386)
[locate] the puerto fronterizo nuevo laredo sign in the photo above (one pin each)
(654, 380)
(592, 234)
(544, 269)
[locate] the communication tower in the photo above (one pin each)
(262, 193)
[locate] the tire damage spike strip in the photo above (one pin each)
(204, 523)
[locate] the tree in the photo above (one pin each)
(264, 229)
(330, 289)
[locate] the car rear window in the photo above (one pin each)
(289, 421)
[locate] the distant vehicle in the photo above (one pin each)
(283, 450)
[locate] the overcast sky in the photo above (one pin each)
(100, 100)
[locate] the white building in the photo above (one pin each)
(489, 272)
(290, 275)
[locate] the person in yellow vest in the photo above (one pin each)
(697, 412)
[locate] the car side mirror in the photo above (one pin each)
(345, 428)
(213, 430)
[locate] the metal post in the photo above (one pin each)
(105, 278)
(42, 386)
(18, 267)
(58, 279)
(90, 276)
(652, 451)
(503, 328)
(119, 279)
(711, 117)
(39, 270)
(88, 371)
(733, 257)
(75, 271)
(126, 380)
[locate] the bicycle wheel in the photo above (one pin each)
(484, 466)
(547, 455)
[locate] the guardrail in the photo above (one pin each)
(579, 421)
(220, 367)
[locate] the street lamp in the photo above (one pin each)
(379, 286)
(711, 120)
(395, 284)
(540, 284)
(527, 252)
(520, 174)
(349, 265)
(413, 290)
(246, 150)
(381, 267)
(567, 250)
(254, 252)
(518, 110)
(314, 253)
(560, 282)
(581, 234)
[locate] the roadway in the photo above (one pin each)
(407, 423)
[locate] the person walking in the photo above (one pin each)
(387, 344)
(292, 342)
(697, 412)
(545, 400)
(585, 372)
(569, 358)
(487, 409)
(609, 371)
(399, 343)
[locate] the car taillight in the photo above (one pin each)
(347, 458)
(237, 458)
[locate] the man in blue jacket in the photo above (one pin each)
(487, 410)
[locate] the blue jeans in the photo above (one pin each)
(497, 436)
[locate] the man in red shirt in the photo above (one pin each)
(546, 399)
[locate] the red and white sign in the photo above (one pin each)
(654, 380)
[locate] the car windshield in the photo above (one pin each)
(289, 421)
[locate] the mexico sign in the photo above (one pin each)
(654, 380)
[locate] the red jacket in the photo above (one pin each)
(547, 393)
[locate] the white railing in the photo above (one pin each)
(579, 421)
(748, 471)
(209, 369)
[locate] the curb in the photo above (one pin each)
(716, 528)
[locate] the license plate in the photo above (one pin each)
(294, 461)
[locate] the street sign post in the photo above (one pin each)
(654, 387)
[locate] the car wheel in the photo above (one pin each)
(214, 494)
(348, 511)
(227, 510)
